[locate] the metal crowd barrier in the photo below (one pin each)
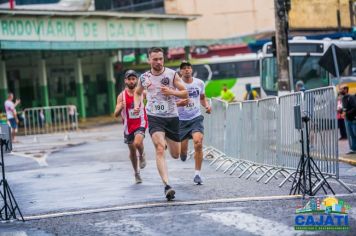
(323, 129)
(54, 119)
(260, 137)
(215, 141)
(288, 137)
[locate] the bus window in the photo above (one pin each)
(353, 68)
(307, 69)
(247, 68)
(223, 71)
(269, 76)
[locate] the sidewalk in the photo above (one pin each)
(92, 122)
(343, 149)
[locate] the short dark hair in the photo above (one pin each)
(345, 87)
(184, 63)
(154, 49)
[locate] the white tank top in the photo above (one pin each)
(192, 109)
(157, 103)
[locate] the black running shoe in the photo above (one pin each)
(197, 180)
(183, 158)
(169, 191)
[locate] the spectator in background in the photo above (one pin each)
(72, 110)
(349, 114)
(11, 114)
(299, 86)
(250, 94)
(226, 94)
(340, 119)
(41, 118)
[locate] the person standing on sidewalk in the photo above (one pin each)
(191, 119)
(340, 119)
(250, 94)
(163, 86)
(349, 113)
(226, 94)
(135, 124)
(11, 114)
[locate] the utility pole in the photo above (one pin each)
(281, 19)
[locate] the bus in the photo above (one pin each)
(234, 71)
(304, 56)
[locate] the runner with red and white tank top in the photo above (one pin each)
(135, 124)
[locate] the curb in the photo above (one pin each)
(347, 160)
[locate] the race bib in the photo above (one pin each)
(132, 114)
(160, 107)
(191, 105)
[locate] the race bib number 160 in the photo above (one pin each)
(132, 115)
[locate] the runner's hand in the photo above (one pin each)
(166, 91)
(136, 110)
(208, 109)
(183, 102)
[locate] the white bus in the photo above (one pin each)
(234, 71)
(304, 56)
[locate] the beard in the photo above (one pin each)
(157, 67)
(131, 86)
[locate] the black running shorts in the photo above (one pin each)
(188, 127)
(129, 138)
(168, 125)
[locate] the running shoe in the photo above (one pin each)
(197, 180)
(143, 161)
(169, 191)
(183, 158)
(138, 178)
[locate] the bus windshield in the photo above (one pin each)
(305, 68)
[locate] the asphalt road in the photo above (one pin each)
(83, 184)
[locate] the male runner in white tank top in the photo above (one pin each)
(163, 86)
(191, 119)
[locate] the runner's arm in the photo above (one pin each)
(137, 97)
(182, 102)
(119, 105)
(181, 91)
(17, 102)
(204, 102)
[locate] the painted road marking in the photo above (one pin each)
(161, 204)
(167, 204)
(250, 223)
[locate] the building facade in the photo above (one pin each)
(53, 58)
(217, 20)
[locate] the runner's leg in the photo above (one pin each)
(184, 149)
(134, 162)
(133, 158)
(198, 149)
(138, 144)
(159, 143)
(174, 148)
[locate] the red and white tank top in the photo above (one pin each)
(131, 121)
